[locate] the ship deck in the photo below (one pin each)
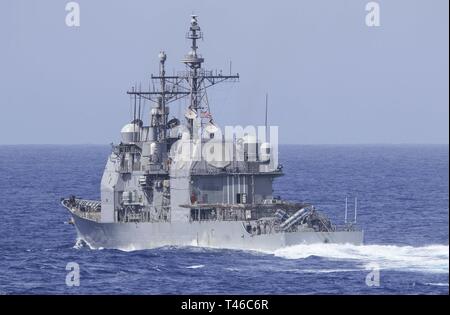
(87, 209)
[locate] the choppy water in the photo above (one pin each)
(403, 207)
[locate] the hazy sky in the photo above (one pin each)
(330, 78)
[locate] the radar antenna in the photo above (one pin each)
(192, 82)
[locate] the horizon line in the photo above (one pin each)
(356, 143)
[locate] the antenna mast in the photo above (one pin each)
(265, 122)
(162, 72)
(192, 82)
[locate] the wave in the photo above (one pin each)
(195, 266)
(437, 284)
(323, 270)
(432, 258)
(429, 259)
(80, 243)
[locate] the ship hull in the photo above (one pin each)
(217, 234)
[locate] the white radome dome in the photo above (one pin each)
(130, 128)
(130, 132)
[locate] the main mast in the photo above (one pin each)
(194, 62)
(191, 83)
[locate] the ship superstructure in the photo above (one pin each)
(182, 181)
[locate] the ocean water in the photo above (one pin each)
(402, 193)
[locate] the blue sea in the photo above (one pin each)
(402, 193)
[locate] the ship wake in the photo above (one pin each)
(428, 259)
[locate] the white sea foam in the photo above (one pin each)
(438, 284)
(195, 266)
(129, 248)
(79, 244)
(429, 259)
(323, 270)
(432, 258)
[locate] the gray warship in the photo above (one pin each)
(179, 181)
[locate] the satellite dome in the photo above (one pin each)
(211, 128)
(130, 128)
(130, 133)
(190, 114)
